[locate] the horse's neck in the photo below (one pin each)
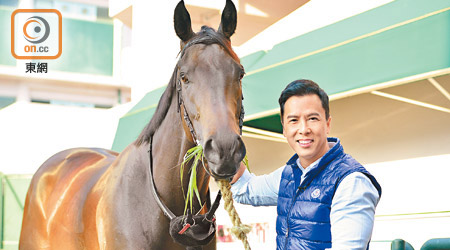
(170, 144)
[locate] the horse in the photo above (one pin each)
(92, 198)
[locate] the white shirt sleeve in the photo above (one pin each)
(259, 190)
(352, 213)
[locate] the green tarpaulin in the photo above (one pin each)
(397, 40)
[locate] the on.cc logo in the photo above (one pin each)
(36, 34)
(40, 30)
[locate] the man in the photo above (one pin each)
(325, 198)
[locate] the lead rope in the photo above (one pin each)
(239, 229)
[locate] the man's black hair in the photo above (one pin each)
(301, 88)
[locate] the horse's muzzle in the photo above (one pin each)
(224, 154)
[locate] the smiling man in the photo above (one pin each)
(325, 199)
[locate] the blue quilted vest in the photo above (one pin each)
(303, 221)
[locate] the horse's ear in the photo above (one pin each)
(182, 22)
(229, 20)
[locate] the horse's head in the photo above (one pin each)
(208, 79)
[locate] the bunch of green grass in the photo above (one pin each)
(195, 154)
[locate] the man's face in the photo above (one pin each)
(306, 127)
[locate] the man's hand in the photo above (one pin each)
(238, 173)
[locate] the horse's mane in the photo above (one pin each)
(206, 36)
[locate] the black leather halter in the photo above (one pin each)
(192, 231)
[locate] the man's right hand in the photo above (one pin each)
(239, 173)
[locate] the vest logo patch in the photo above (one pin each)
(315, 193)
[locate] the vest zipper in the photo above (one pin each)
(297, 193)
(287, 223)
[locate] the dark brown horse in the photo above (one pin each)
(90, 198)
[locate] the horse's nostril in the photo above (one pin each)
(211, 151)
(239, 150)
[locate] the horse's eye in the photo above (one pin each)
(183, 77)
(241, 75)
